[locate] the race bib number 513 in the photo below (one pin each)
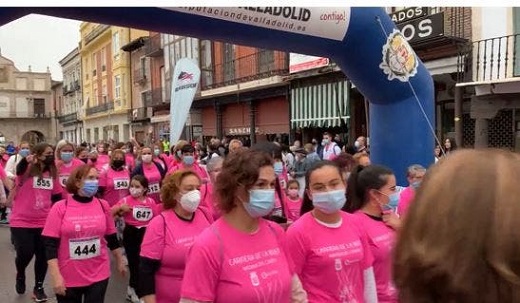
(84, 248)
(154, 188)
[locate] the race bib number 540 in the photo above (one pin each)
(83, 249)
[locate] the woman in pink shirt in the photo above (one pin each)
(169, 237)
(293, 202)
(414, 175)
(188, 162)
(214, 167)
(372, 197)
(82, 154)
(114, 179)
(242, 257)
(330, 252)
(153, 171)
(77, 235)
(37, 187)
(66, 162)
(102, 158)
(136, 210)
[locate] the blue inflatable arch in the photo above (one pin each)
(364, 42)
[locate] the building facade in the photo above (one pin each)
(70, 126)
(25, 104)
(106, 77)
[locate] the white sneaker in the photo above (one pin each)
(131, 295)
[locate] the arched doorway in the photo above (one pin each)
(33, 137)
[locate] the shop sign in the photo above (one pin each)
(423, 28)
(241, 131)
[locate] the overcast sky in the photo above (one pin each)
(39, 41)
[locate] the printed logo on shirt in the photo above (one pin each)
(42, 183)
(83, 249)
(121, 183)
(142, 214)
(153, 188)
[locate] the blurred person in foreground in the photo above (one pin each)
(459, 242)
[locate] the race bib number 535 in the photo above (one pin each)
(83, 249)
(42, 183)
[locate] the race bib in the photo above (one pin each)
(154, 188)
(82, 249)
(42, 183)
(121, 183)
(63, 180)
(142, 214)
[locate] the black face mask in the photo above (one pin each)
(118, 163)
(49, 160)
(93, 160)
(84, 160)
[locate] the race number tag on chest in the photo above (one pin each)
(154, 188)
(42, 183)
(82, 249)
(121, 183)
(142, 213)
(63, 180)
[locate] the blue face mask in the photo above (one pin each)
(188, 160)
(329, 202)
(24, 152)
(261, 202)
(278, 168)
(90, 187)
(393, 202)
(66, 156)
(156, 152)
(416, 184)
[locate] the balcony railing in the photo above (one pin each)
(20, 114)
(455, 21)
(139, 75)
(140, 114)
(100, 108)
(259, 65)
(68, 118)
(153, 46)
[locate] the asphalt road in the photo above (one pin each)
(116, 292)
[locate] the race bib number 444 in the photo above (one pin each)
(42, 183)
(82, 249)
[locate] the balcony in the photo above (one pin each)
(139, 76)
(140, 114)
(100, 108)
(492, 59)
(260, 65)
(153, 46)
(25, 115)
(68, 118)
(153, 98)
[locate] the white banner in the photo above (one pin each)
(325, 22)
(299, 62)
(186, 76)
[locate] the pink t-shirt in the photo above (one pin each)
(65, 169)
(293, 208)
(81, 227)
(152, 173)
(130, 161)
(102, 160)
(208, 201)
(381, 240)
(168, 238)
(116, 184)
(32, 202)
(141, 211)
(227, 265)
(330, 261)
(405, 199)
(201, 172)
(2, 173)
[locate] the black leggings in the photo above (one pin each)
(132, 239)
(28, 243)
(94, 293)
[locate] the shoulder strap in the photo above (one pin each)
(161, 169)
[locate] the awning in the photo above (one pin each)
(320, 105)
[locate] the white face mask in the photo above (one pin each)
(146, 158)
(190, 201)
(135, 192)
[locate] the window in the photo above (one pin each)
(21, 83)
(143, 66)
(206, 63)
(265, 60)
(39, 108)
(229, 62)
(86, 68)
(115, 45)
(117, 87)
(105, 94)
(39, 84)
(96, 97)
(95, 63)
(103, 59)
(516, 31)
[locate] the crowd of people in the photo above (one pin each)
(264, 223)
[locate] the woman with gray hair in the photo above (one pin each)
(207, 200)
(414, 175)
